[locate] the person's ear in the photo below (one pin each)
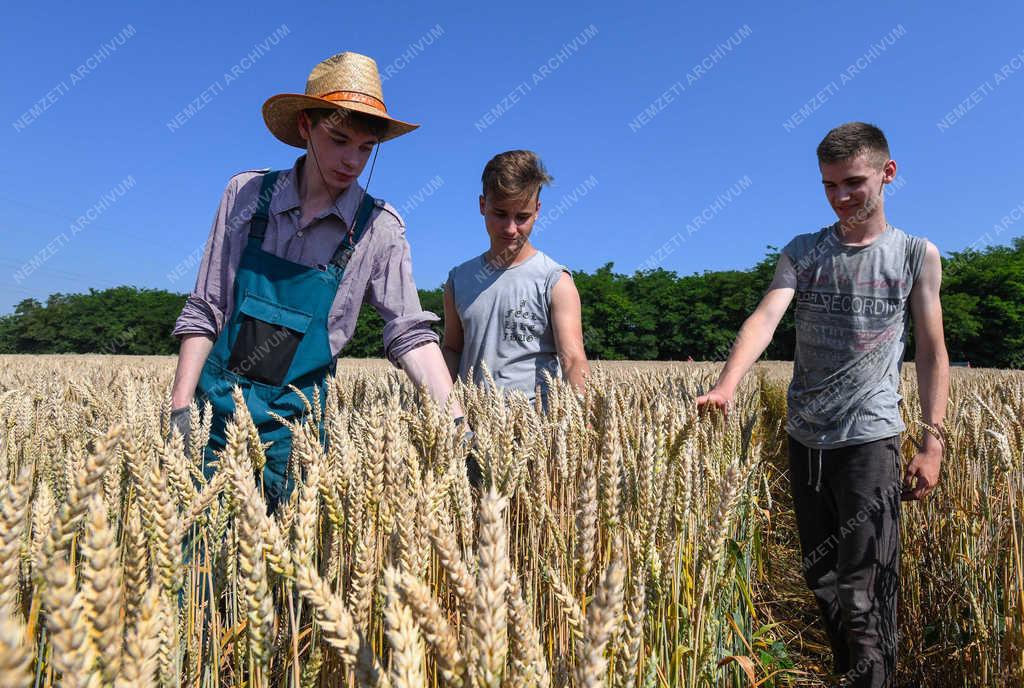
(482, 204)
(889, 171)
(304, 124)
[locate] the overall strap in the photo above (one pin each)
(258, 223)
(347, 245)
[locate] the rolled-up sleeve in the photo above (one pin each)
(392, 292)
(205, 308)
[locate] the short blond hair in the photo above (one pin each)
(515, 174)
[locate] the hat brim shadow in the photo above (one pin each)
(280, 113)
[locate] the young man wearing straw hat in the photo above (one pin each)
(290, 257)
(857, 284)
(513, 308)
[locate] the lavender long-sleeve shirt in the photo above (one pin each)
(379, 271)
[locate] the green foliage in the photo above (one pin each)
(983, 305)
(368, 338)
(651, 315)
(655, 314)
(122, 320)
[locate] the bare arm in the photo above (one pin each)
(425, 366)
(754, 336)
(932, 363)
(567, 323)
(195, 348)
(452, 343)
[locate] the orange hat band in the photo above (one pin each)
(354, 96)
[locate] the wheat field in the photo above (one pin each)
(622, 539)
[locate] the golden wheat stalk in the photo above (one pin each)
(451, 561)
(488, 616)
(603, 617)
(528, 662)
(74, 654)
(14, 511)
(142, 643)
(437, 632)
(627, 658)
(15, 652)
(102, 589)
(338, 629)
(87, 483)
(407, 653)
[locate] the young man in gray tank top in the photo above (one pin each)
(513, 308)
(855, 284)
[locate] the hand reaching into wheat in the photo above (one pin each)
(715, 399)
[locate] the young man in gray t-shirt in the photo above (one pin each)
(856, 282)
(513, 308)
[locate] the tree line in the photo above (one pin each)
(650, 315)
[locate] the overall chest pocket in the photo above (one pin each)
(268, 337)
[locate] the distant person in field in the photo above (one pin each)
(858, 284)
(291, 258)
(512, 307)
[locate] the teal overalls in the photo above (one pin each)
(276, 336)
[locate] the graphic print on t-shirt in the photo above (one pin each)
(520, 324)
(844, 303)
(852, 323)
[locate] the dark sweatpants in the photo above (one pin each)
(848, 513)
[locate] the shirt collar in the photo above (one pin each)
(287, 197)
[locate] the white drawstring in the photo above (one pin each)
(810, 472)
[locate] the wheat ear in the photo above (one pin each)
(102, 588)
(603, 616)
(436, 630)
(338, 629)
(14, 512)
(406, 643)
(15, 653)
(489, 618)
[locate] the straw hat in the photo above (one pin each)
(344, 81)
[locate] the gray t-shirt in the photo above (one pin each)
(505, 314)
(852, 320)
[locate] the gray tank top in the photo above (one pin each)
(852, 320)
(506, 323)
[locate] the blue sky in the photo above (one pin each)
(648, 115)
